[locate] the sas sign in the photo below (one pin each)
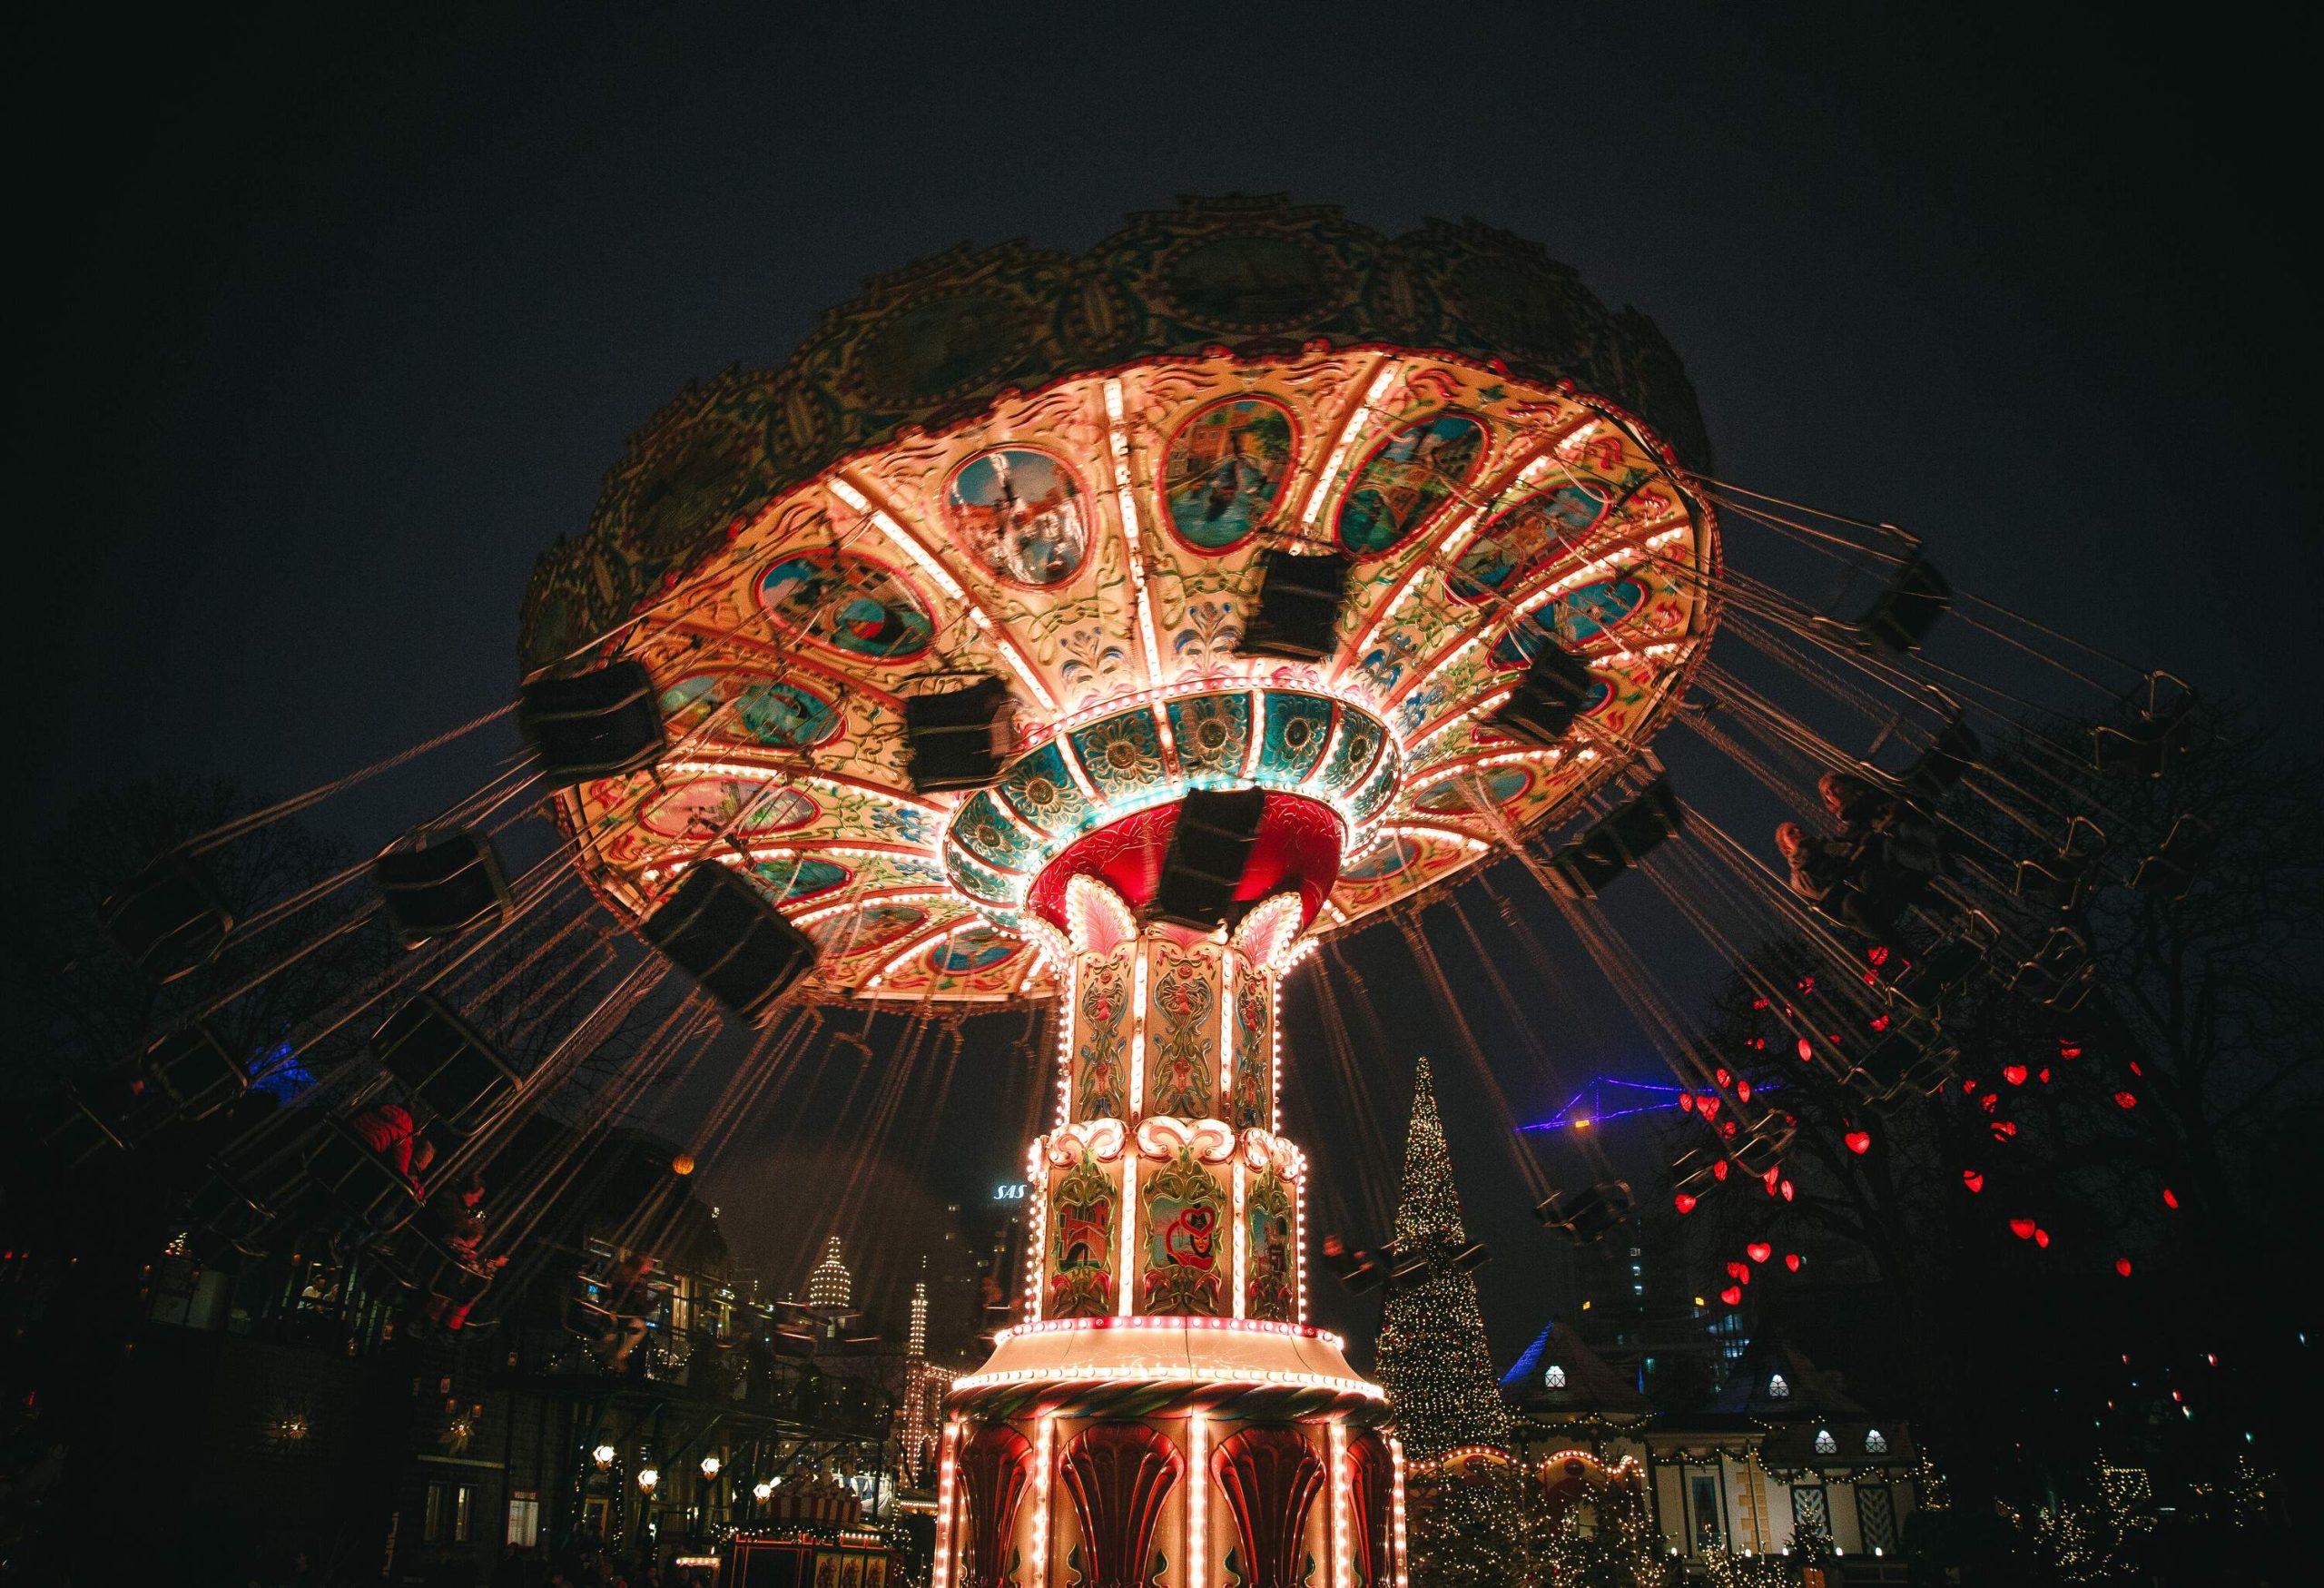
(1012, 1192)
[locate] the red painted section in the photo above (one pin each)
(1298, 847)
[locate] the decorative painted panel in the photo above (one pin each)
(1101, 1018)
(1270, 1288)
(1083, 1205)
(1250, 1095)
(1117, 1476)
(1182, 1031)
(1270, 1476)
(1186, 1234)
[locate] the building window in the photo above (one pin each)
(525, 1521)
(1825, 1443)
(1875, 1517)
(1555, 1378)
(1776, 1388)
(451, 1508)
(1811, 1509)
(1875, 1442)
(1703, 1497)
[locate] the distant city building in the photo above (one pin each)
(831, 1285)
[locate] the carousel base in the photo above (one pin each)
(1129, 1366)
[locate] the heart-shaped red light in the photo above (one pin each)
(1738, 1273)
(2122, 1267)
(2170, 1197)
(1732, 1296)
(1859, 1141)
(1973, 1180)
(1791, 1261)
(1686, 1103)
(2023, 1229)
(1718, 1169)
(1760, 1251)
(1807, 1050)
(1787, 1190)
(2013, 1073)
(2123, 1099)
(1710, 1106)
(1725, 1078)
(1684, 1203)
(1743, 1091)
(2041, 1237)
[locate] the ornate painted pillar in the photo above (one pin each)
(1165, 1414)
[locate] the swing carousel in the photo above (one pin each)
(1107, 633)
(1101, 636)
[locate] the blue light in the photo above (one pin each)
(1588, 1107)
(277, 1073)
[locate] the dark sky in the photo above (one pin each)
(336, 324)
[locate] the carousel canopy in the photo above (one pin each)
(1061, 473)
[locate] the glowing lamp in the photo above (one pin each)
(1732, 1296)
(604, 1454)
(1760, 1251)
(2013, 1073)
(683, 1164)
(1859, 1141)
(2023, 1229)
(762, 1490)
(1791, 1261)
(647, 1476)
(2122, 1267)
(1684, 1203)
(710, 1466)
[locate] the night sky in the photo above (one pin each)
(336, 326)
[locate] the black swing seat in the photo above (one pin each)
(724, 934)
(1696, 1171)
(2062, 882)
(1210, 846)
(359, 1182)
(2059, 974)
(1907, 1062)
(1297, 610)
(1922, 985)
(436, 884)
(1902, 615)
(2170, 871)
(1584, 1216)
(2164, 731)
(169, 919)
(1542, 708)
(1617, 841)
(599, 723)
(958, 738)
(449, 1071)
(190, 1068)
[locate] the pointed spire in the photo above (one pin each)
(1429, 1205)
(1434, 1361)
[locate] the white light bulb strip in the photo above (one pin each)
(1126, 499)
(1198, 1500)
(1342, 1573)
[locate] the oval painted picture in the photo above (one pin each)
(1386, 861)
(782, 716)
(1406, 478)
(849, 603)
(1226, 472)
(1574, 618)
(855, 932)
(973, 950)
(1022, 514)
(800, 877)
(1522, 541)
(1458, 794)
(712, 806)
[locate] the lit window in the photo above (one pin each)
(1554, 1377)
(1875, 1442)
(1776, 1388)
(1825, 1443)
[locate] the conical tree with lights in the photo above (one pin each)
(1437, 1369)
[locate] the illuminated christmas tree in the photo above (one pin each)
(1437, 1369)
(1434, 1362)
